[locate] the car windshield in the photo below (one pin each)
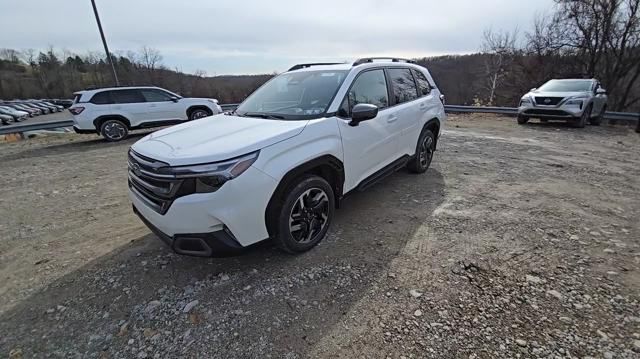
(294, 95)
(566, 86)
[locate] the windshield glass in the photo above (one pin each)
(566, 86)
(294, 95)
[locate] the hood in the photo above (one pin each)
(215, 138)
(558, 94)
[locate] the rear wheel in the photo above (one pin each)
(114, 130)
(424, 152)
(305, 215)
(522, 119)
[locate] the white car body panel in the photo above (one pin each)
(240, 204)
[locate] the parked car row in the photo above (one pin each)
(19, 110)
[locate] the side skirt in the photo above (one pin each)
(383, 172)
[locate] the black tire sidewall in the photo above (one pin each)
(414, 165)
(522, 119)
(283, 239)
(126, 130)
(194, 111)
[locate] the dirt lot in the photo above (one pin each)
(520, 241)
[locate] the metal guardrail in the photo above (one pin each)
(26, 127)
(509, 111)
(513, 111)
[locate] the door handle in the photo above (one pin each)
(392, 119)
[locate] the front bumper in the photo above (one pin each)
(210, 244)
(552, 112)
(238, 208)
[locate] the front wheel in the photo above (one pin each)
(114, 130)
(582, 120)
(424, 152)
(198, 113)
(305, 215)
(522, 119)
(596, 121)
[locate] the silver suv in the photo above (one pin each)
(577, 101)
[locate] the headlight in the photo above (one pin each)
(525, 101)
(575, 102)
(210, 177)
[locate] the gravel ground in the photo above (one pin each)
(520, 241)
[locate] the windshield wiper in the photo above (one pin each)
(262, 115)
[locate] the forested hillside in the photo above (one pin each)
(577, 38)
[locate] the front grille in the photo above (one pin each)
(158, 191)
(548, 101)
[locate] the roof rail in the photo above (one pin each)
(365, 60)
(303, 66)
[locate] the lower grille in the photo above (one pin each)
(548, 101)
(547, 112)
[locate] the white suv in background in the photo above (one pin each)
(278, 166)
(112, 112)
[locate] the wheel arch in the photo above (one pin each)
(101, 119)
(433, 125)
(327, 166)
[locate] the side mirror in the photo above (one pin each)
(363, 112)
(601, 91)
(175, 99)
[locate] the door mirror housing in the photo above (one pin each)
(363, 112)
(175, 99)
(601, 91)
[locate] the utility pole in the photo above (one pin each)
(104, 42)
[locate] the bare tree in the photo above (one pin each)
(603, 37)
(150, 59)
(501, 49)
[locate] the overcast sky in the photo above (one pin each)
(253, 36)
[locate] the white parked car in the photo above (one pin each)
(112, 112)
(279, 165)
(577, 101)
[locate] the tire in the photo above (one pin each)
(197, 113)
(522, 119)
(424, 152)
(596, 121)
(305, 214)
(582, 120)
(114, 130)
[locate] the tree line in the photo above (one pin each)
(576, 38)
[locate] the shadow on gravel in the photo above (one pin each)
(554, 126)
(262, 302)
(71, 147)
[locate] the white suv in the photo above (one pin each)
(112, 112)
(279, 165)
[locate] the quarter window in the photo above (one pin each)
(127, 96)
(370, 87)
(403, 85)
(102, 98)
(424, 88)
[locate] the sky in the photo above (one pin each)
(253, 36)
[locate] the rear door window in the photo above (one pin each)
(102, 98)
(127, 96)
(403, 86)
